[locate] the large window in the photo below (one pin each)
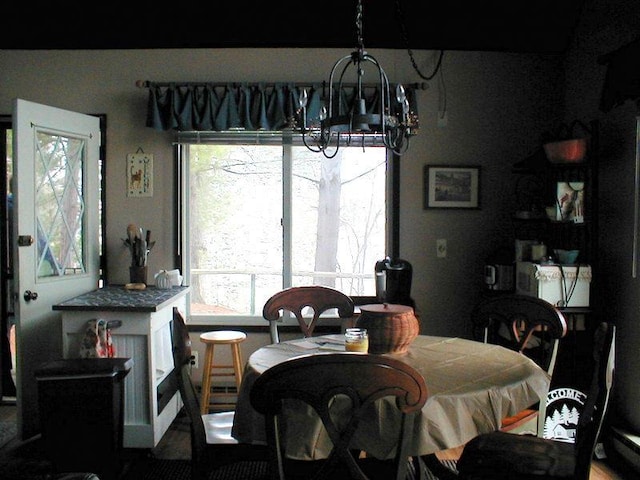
(262, 216)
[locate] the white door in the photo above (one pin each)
(56, 246)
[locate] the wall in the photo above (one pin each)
(497, 105)
(605, 26)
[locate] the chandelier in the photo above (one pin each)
(393, 124)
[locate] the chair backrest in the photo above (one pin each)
(296, 299)
(526, 324)
(317, 380)
(180, 340)
(182, 361)
(595, 407)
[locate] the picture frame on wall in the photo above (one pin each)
(452, 186)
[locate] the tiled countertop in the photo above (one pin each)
(118, 299)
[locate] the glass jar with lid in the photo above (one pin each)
(356, 340)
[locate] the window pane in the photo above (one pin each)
(234, 230)
(338, 227)
(236, 223)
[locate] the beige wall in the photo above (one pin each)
(497, 104)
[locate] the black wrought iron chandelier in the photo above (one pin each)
(341, 126)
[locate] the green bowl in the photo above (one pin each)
(567, 257)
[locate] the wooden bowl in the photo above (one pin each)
(391, 327)
(566, 151)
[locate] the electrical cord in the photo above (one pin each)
(405, 38)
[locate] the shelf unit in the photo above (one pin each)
(536, 189)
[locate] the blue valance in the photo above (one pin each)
(249, 107)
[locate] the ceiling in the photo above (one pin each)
(543, 26)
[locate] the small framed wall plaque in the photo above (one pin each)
(140, 175)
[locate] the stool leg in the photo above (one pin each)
(237, 364)
(206, 379)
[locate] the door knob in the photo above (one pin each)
(29, 295)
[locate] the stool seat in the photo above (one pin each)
(210, 369)
(223, 336)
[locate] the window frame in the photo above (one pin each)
(392, 200)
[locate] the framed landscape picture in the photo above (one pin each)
(448, 186)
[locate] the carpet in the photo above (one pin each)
(161, 469)
(8, 431)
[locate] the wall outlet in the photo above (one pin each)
(194, 359)
(441, 248)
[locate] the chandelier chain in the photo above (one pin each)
(360, 35)
(405, 39)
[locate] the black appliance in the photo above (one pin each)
(393, 281)
(499, 271)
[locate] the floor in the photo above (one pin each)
(176, 445)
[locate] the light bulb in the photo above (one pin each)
(323, 113)
(401, 96)
(302, 100)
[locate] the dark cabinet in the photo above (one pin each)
(556, 203)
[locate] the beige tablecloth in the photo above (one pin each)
(471, 385)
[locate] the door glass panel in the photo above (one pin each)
(59, 204)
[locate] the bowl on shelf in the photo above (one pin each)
(566, 151)
(567, 257)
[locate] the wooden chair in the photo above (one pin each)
(214, 452)
(296, 299)
(500, 455)
(528, 325)
(318, 380)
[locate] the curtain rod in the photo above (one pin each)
(147, 84)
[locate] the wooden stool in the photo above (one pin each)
(211, 339)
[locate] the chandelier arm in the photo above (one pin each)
(331, 77)
(335, 152)
(310, 147)
(385, 95)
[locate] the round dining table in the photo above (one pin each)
(471, 387)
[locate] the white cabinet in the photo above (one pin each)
(144, 334)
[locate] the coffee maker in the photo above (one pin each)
(499, 271)
(393, 281)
